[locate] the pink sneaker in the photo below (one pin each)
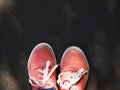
(74, 70)
(42, 67)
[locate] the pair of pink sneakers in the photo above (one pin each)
(74, 69)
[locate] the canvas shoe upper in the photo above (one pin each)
(42, 67)
(74, 70)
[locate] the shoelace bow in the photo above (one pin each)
(44, 74)
(69, 79)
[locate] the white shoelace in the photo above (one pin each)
(45, 76)
(70, 79)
